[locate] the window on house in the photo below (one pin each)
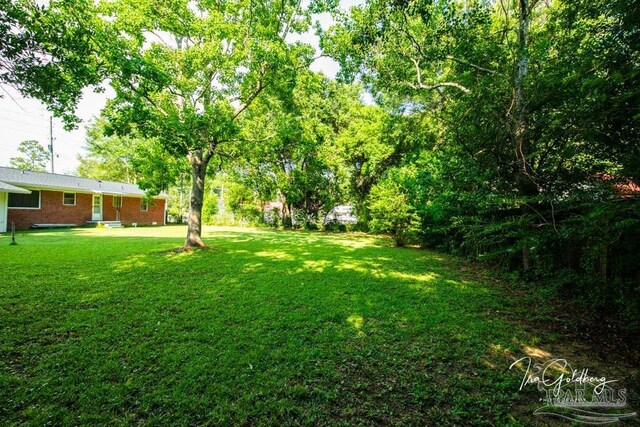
(144, 205)
(69, 199)
(117, 201)
(25, 201)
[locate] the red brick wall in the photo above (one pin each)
(52, 211)
(130, 211)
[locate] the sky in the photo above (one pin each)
(23, 119)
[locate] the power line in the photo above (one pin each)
(23, 130)
(24, 113)
(23, 122)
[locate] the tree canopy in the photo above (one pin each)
(184, 73)
(47, 52)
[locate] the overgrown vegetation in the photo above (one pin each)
(527, 119)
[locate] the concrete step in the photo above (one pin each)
(107, 224)
(54, 225)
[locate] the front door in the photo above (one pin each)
(96, 213)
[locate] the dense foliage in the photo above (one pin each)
(533, 110)
(506, 132)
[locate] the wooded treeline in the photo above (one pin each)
(529, 116)
(505, 131)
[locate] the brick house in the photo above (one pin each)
(40, 199)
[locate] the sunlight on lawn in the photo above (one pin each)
(264, 323)
(279, 255)
(317, 266)
(132, 263)
(357, 322)
(425, 277)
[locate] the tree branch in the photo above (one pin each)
(421, 85)
(440, 85)
(145, 96)
(259, 88)
(421, 52)
(293, 15)
(469, 64)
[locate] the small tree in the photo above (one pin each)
(391, 210)
(109, 157)
(34, 157)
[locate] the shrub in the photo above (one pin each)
(391, 210)
(304, 220)
(209, 208)
(175, 216)
(335, 226)
(272, 217)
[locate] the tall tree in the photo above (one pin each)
(296, 153)
(34, 157)
(458, 61)
(372, 142)
(184, 73)
(108, 157)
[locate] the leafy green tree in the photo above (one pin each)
(46, 52)
(446, 59)
(392, 209)
(365, 152)
(109, 157)
(184, 73)
(34, 157)
(296, 159)
(373, 141)
(241, 201)
(210, 206)
(527, 113)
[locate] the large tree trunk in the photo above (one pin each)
(524, 180)
(286, 211)
(194, 224)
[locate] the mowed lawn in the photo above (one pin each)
(103, 326)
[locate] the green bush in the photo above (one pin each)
(335, 226)
(391, 209)
(175, 216)
(209, 208)
(303, 220)
(272, 217)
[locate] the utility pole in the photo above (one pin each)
(51, 141)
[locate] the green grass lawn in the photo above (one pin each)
(265, 328)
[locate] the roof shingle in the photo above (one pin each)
(54, 181)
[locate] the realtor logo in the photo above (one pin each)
(568, 391)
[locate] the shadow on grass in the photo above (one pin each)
(265, 328)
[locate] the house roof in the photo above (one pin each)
(8, 188)
(52, 181)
